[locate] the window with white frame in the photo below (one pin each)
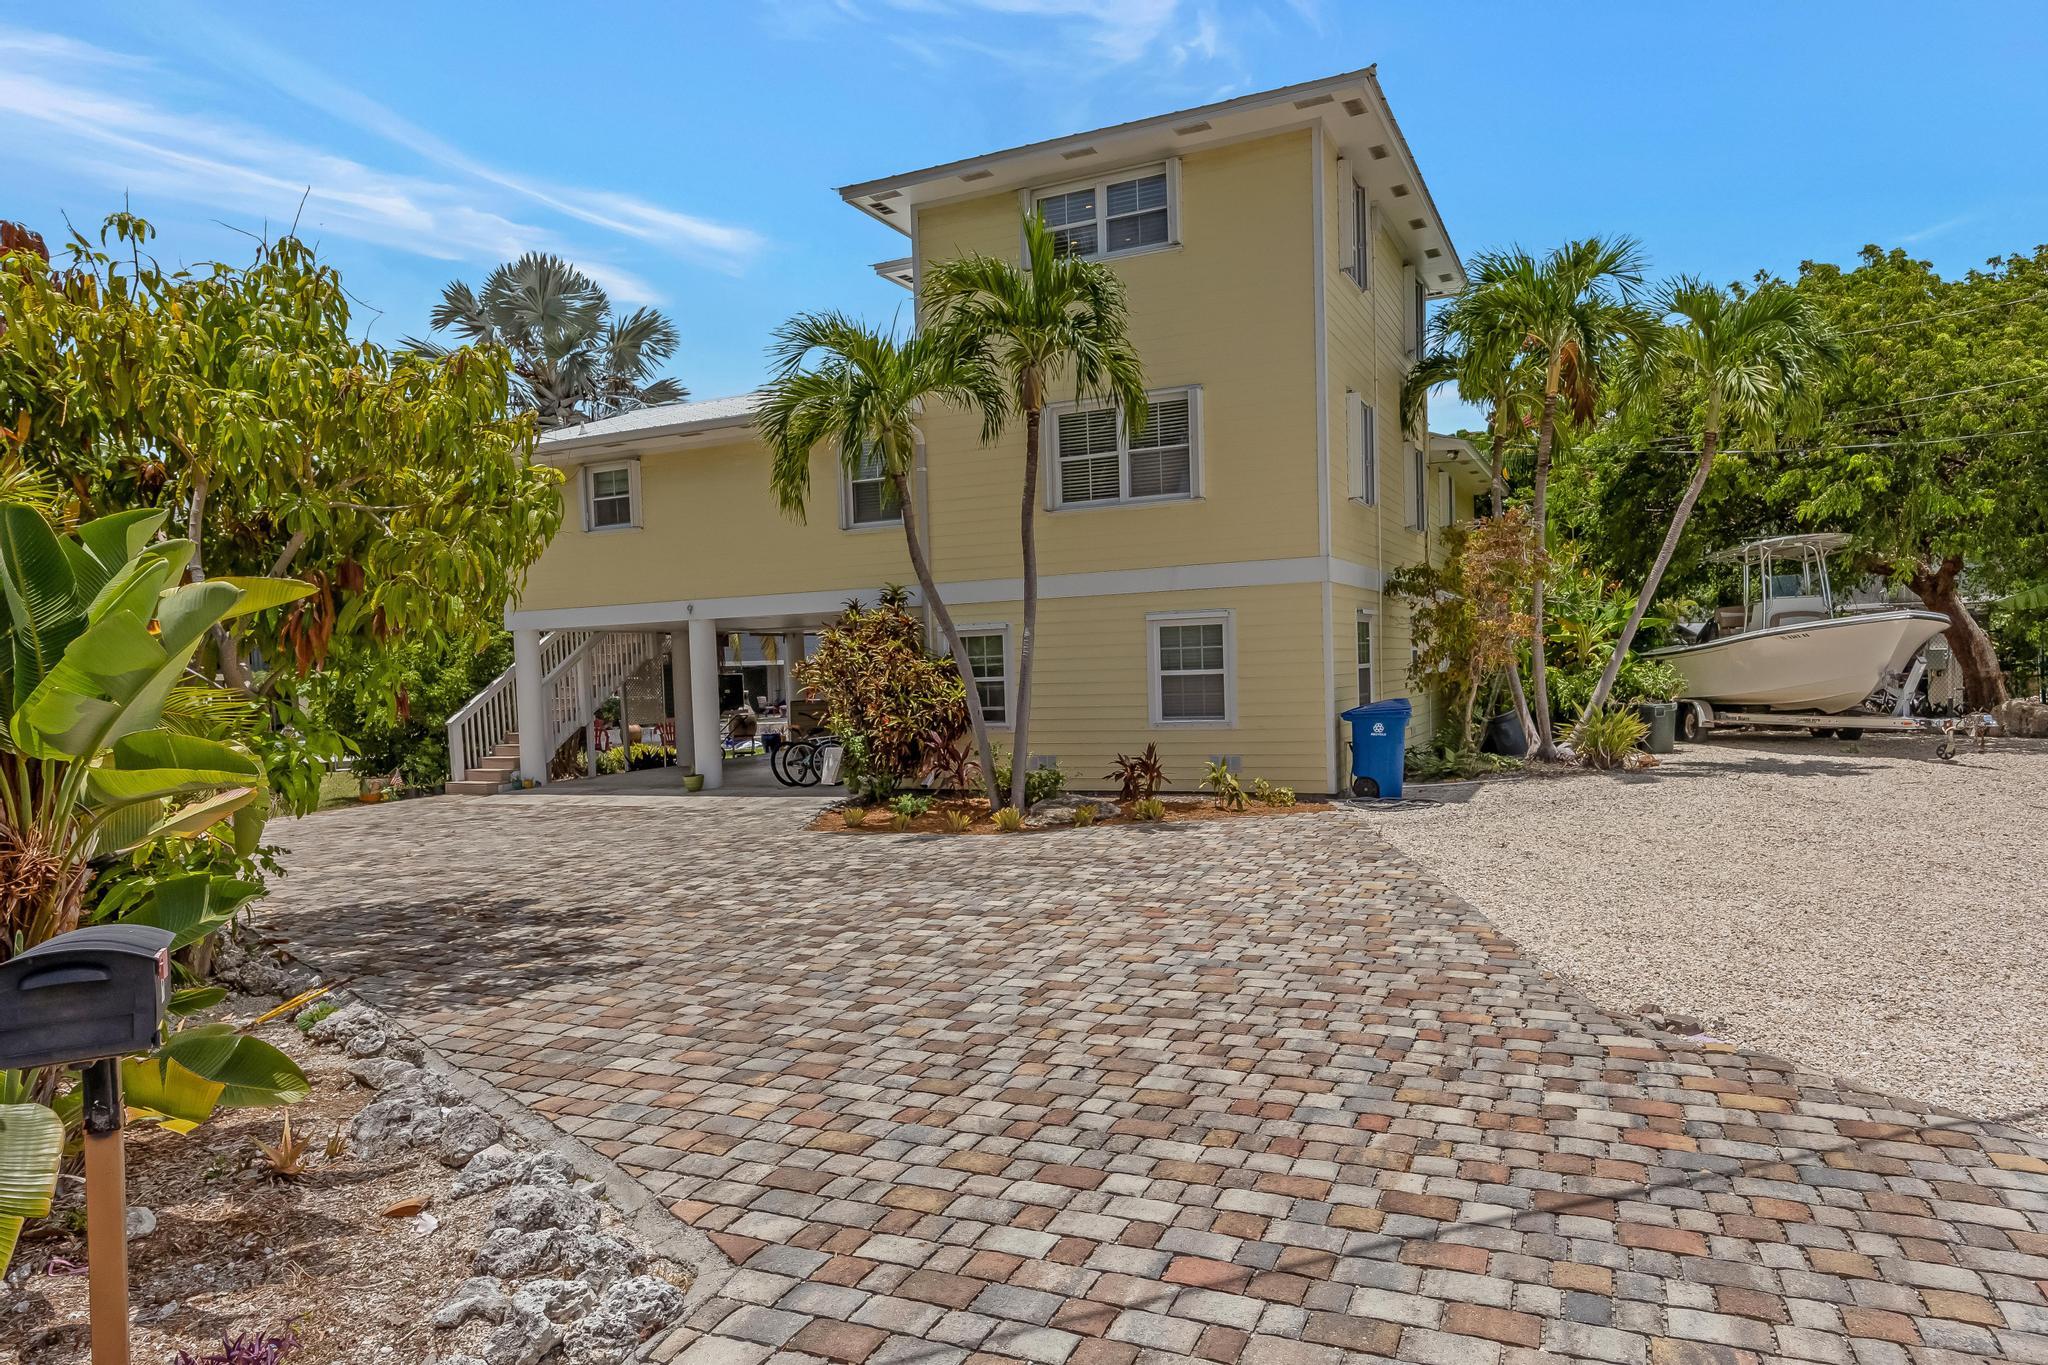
(988, 658)
(870, 497)
(1418, 487)
(1191, 682)
(609, 496)
(1365, 622)
(1127, 211)
(1097, 461)
(1362, 429)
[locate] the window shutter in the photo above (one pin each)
(1347, 228)
(1369, 460)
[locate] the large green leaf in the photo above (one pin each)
(251, 1072)
(164, 763)
(261, 594)
(200, 816)
(41, 594)
(162, 1086)
(31, 1151)
(184, 905)
(114, 540)
(134, 588)
(185, 614)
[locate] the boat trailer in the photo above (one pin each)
(1697, 718)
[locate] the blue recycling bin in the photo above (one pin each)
(1379, 747)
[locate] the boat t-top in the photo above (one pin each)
(1791, 646)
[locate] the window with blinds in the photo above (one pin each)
(1191, 670)
(1125, 212)
(1099, 462)
(609, 498)
(988, 658)
(1363, 434)
(870, 499)
(1365, 658)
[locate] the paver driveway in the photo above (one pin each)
(1257, 1092)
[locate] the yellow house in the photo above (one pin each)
(1213, 588)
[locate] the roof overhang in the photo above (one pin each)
(671, 426)
(1351, 108)
(1459, 453)
(901, 271)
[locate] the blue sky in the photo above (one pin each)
(685, 154)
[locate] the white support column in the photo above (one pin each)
(587, 705)
(704, 702)
(531, 719)
(792, 655)
(679, 665)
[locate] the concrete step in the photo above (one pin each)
(475, 786)
(496, 763)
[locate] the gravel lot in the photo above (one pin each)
(1858, 907)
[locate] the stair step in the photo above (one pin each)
(474, 786)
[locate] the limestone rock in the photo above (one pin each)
(465, 1131)
(399, 1119)
(599, 1259)
(1059, 810)
(523, 1338)
(530, 1208)
(2023, 719)
(560, 1300)
(480, 1297)
(510, 1254)
(632, 1310)
(382, 1073)
(345, 1023)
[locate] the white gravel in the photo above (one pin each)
(1860, 908)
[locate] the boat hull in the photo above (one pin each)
(1826, 666)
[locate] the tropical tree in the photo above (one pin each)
(1470, 615)
(1475, 350)
(396, 484)
(1571, 308)
(573, 358)
(1057, 322)
(106, 753)
(1755, 360)
(842, 383)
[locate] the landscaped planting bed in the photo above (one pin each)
(940, 818)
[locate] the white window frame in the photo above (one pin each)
(1049, 454)
(1100, 184)
(1418, 488)
(846, 504)
(1368, 672)
(1354, 227)
(1363, 434)
(1227, 619)
(589, 485)
(1009, 675)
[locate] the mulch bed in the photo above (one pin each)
(1179, 810)
(236, 1250)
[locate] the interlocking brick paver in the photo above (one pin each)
(1247, 1092)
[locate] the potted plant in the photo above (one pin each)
(693, 781)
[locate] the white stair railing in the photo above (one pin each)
(590, 673)
(489, 718)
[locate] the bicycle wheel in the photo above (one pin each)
(802, 765)
(778, 764)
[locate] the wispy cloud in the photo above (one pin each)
(1075, 38)
(1934, 230)
(67, 103)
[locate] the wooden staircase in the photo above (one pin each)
(490, 776)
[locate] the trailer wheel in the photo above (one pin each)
(1848, 734)
(1822, 734)
(1688, 724)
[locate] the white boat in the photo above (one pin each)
(1788, 648)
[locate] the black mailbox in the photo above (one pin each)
(94, 992)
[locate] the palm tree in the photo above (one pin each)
(1474, 350)
(863, 395)
(573, 358)
(1755, 359)
(1571, 309)
(1057, 318)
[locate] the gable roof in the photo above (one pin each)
(1351, 107)
(673, 421)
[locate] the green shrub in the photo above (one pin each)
(959, 821)
(911, 805)
(1040, 784)
(1084, 816)
(1440, 763)
(1266, 793)
(900, 821)
(1009, 819)
(1608, 736)
(1151, 808)
(1220, 780)
(1138, 776)
(613, 760)
(886, 696)
(854, 816)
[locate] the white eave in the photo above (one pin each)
(670, 424)
(1456, 450)
(1351, 108)
(901, 271)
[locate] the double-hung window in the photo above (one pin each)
(988, 659)
(1361, 237)
(1363, 432)
(1418, 488)
(870, 497)
(1191, 682)
(1097, 460)
(1365, 620)
(610, 497)
(1128, 211)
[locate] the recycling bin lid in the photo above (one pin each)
(1393, 706)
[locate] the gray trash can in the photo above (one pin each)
(1662, 718)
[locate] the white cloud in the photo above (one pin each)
(61, 104)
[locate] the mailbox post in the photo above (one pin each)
(91, 997)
